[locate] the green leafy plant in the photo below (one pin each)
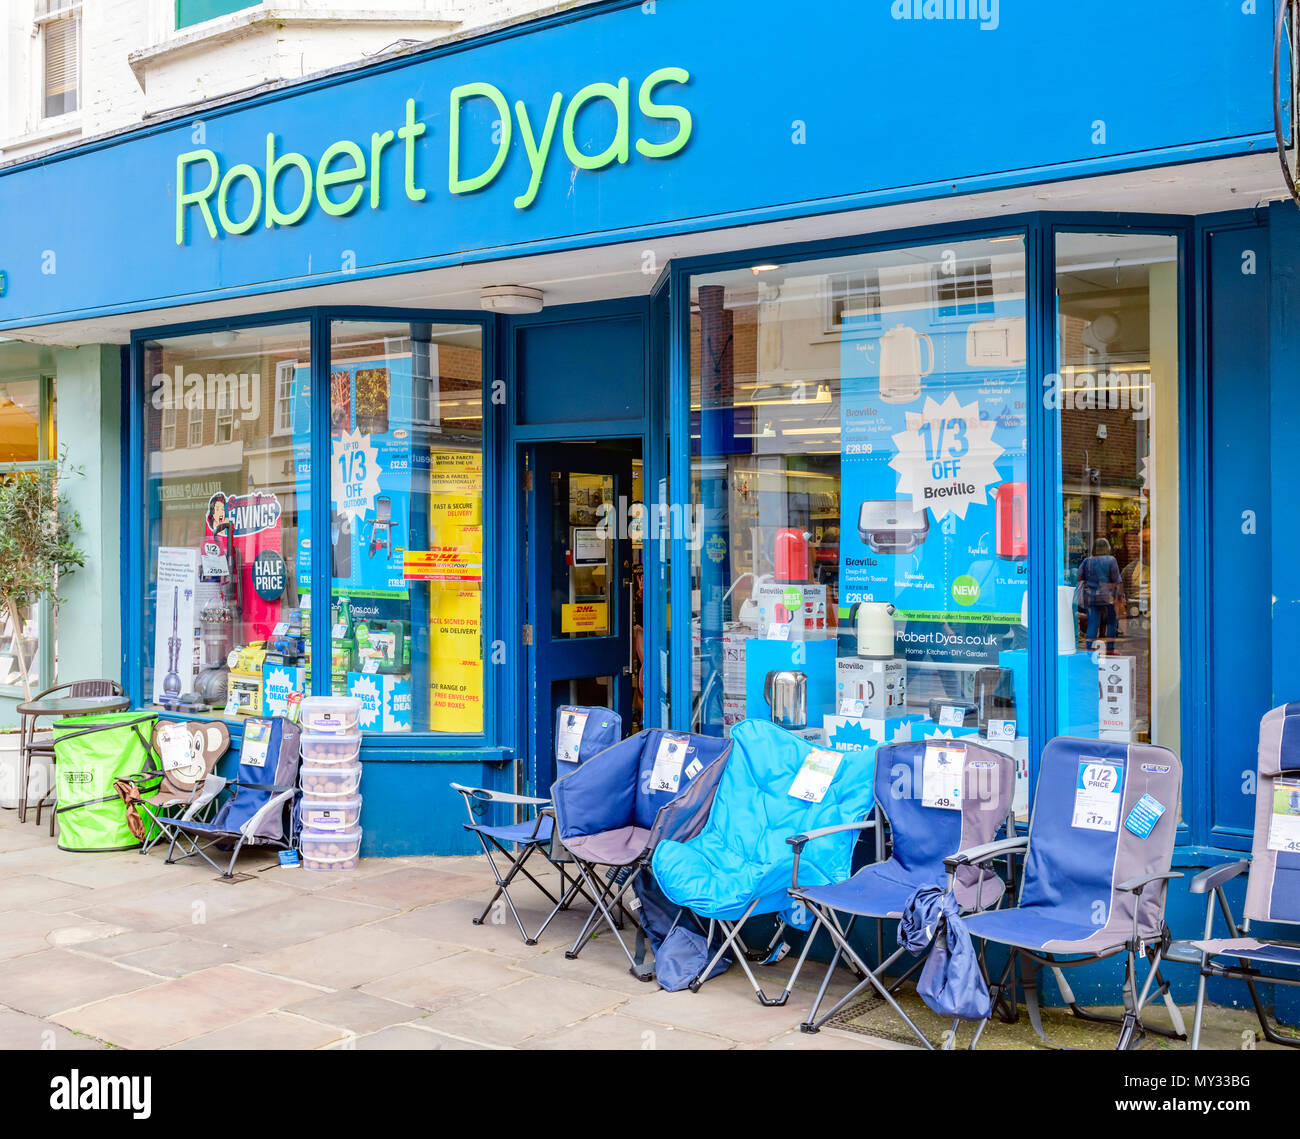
(37, 545)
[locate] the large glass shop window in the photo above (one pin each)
(859, 554)
(1116, 391)
(227, 630)
(406, 524)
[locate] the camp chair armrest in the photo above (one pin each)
(276, 802)
(986, 853)
(1216, 876)
(486, 796)
(209, 789)
(1137, 885)
(799, 841)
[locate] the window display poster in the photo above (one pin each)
(455, 553)
(455, 660)
(370, 473)
(176, 634)
(934, 468)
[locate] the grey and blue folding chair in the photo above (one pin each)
(1096, 872)
(938, 797)
(740, 865)
(1273, 886)
(580, 733)
(259, 811)
(616, 809)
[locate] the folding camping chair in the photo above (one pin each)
(260, 811)
(740, 866)
(616, 808)
(1272, 889)
(939, 797)
(1096, 872)
(182, 784)
(580, 733)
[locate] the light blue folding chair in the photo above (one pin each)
(938, 797)
(580, 733)
(1272, 890)
(740, 865)
(1097, 869)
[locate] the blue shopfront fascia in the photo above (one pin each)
(667, 367)
(783, 125)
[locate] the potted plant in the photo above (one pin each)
(37, 548)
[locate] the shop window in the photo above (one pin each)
(189, 12)
(406, 524)
(284, 397)
(859, 558)
(27, 442)
(226, 628)
(225, 425)
(168, 438)
(1117, 392)
(59, 24)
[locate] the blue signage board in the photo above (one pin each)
(621, 122)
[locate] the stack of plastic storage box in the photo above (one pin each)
(330, 775)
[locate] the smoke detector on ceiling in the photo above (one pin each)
(510, 298)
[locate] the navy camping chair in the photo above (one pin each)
(614, 810)
(1096, 872)
(260, 809)
(740, 865)
(1272, 889)
(580, 733)
(927, 823)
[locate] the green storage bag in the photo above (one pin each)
(89, 753)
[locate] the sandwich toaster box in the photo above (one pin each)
(889, 526)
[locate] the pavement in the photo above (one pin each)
(120, 950)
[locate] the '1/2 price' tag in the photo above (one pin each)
(1097, 795)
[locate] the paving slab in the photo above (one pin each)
(350, 958)
(302, 917)
(727, 1000)
(18, 1030)
(180, 1009)
(407, 1038)
(181, 956)
(34, 891)
(188, 904)
(449, 979)
(55, 979)
(354, 1011)
(613, 1031)
(533, 1007)
(271, 1031)
(407, 887)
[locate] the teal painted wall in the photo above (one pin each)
(196, 11)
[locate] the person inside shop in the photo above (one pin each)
(1101, 593)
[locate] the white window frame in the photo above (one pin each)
(224, 430)
(167, 437)
(284, 373)
(48, 14)
(194, 427)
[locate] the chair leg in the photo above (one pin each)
(606, 911)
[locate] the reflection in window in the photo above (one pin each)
(859, 468)
(406, 524)
(1118, 482)
(226, 625)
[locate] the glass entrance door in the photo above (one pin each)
(583, 592)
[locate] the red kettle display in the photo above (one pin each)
(1011, 504)
(790, 556)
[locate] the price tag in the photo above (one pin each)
(568, 743)
(694, 768)
(174, 746)
(941, 776)
(1002, 729)
(854, 709)
(370, 666)
(257, 742)
(816, 775)
(1097, 795)
(339, 631)
(1284, 826)
(667, 772)
(952, 716)
(1143, 817)
(778, 632)
(281, 629)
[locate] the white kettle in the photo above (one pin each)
(874, 623)
(900, 364)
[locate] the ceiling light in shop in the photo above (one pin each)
(510, 299)
(764, 268)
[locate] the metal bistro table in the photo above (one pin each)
(57, 706)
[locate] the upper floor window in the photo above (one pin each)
(59, 23)
(190, 12)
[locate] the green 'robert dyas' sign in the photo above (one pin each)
(346, 173)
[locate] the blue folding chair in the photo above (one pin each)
(740, 865)
(939, 797)
(614, 810)
(1272, 889)
(580, 733)
(1096, 872)
(259, 812)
